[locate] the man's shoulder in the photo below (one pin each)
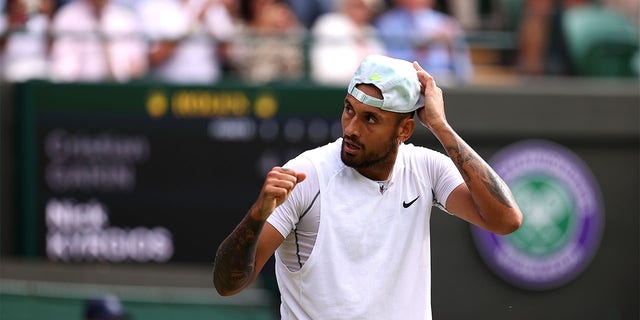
(410, 148)
(410, 151)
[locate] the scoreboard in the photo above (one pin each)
(151, 173)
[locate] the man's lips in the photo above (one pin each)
(350, 146)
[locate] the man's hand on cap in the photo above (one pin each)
(432, 114)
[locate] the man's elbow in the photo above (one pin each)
(223, 290)
(224, 293)
(510, 224)
(223, 287)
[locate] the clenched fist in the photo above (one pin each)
(276, 189)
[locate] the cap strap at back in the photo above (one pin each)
(365, 98)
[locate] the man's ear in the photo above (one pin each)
(405, 129)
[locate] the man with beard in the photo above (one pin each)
(349, 221)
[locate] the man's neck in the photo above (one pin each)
(380, 171)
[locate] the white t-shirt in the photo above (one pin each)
(352, 251)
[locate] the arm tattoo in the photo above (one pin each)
(472, 166)
(235, 259)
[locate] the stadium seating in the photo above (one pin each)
(601, 42)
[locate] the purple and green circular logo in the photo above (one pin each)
(563, 217)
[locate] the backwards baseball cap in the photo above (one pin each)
(397, 80)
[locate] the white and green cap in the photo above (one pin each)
(397, 80)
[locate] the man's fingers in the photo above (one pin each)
(426, 80)
(280, 182)
(422, 74)
(285, 178)
(297, 176)
(276, 189)
(417, 66)
(301, 176)
(280, 177)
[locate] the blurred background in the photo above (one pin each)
(135, 134)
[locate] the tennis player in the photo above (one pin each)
(349, 221)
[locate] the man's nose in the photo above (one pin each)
(350, 127)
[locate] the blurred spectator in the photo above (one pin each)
(129, 3)
(26, 50)
(233, 8)
(630, 8)
(412, 30)
(4, 32)
(2, 13)
(107, 307)
(307, 11)
(342, 39)
(3, 23)
(467, 13)
(268, 45)
(61, 3)
(97, 40)
(188, 38)
(541, 43)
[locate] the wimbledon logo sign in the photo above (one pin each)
(563, 217)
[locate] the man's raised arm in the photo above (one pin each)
(484, 199)
(235, 264)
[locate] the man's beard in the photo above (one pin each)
(368, 161)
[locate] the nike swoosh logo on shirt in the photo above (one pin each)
(407, 205)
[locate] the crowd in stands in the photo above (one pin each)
(259, 41)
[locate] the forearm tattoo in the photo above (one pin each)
(235, 263)
(472, 167)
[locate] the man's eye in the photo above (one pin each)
(348, 109)
(371, 119)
